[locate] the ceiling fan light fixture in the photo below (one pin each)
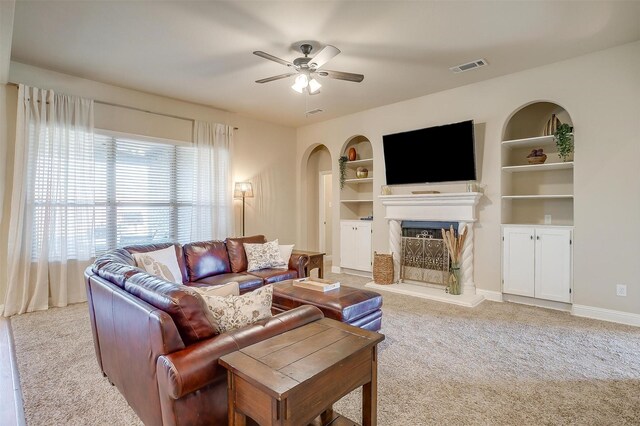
(297, 88)
(314, 85)
(301, 82)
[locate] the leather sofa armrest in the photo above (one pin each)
(196, 366)
(298, 261)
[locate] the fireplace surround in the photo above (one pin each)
(460, 207)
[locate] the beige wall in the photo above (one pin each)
(263, 153)
(601, 92)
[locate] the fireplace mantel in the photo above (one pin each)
(450, 207)
(454, 206)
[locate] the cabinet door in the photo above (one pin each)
(347, 248)
(553, 264)
(518, 261)
(363, 246)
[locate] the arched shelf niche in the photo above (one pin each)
(356, 196)
(535, 194)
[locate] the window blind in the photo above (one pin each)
(144, 192)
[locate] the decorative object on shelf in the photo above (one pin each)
(362, 172)
(243, 190)
(343, 169)
(425, 192)
(382, 268)
(537, 156)
(551, 126)
(455, 246)
(385, 190)
(351, 154)
(564, 141)
(472, 187)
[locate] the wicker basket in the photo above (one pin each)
(382, 268)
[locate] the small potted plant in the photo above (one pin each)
(343, 169)
(564, 141)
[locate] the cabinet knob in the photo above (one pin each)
(531, 237)
(537, 237)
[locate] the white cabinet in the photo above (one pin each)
(537, 262)
(355, 245)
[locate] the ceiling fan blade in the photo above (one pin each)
(323, 56)
(272, 58)
(339, 75)
(276, 77)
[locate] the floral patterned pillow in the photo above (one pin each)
(261, 256)
(232, 312)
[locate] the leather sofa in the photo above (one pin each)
(153, 340)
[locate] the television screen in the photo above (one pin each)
(435, 154)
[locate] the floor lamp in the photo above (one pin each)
(244, 190)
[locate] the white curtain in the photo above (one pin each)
(212, 214)
(50, 239)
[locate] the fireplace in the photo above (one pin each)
(457, 209)
(424, 257)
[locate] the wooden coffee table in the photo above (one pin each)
(293, 378)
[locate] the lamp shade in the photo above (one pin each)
(243, 189)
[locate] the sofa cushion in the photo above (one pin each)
(233, 312)
(161, 263)
(159, 246)
(206, 258)
(262, 256)
(117, 273)
(118, 256)
(237, 255)
(246, 282)
(273, 275)
(187, 309)
(224, 290)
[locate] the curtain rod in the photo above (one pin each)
(137, 109)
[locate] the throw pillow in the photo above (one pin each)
(160, 263)
(285, 255)
(224, 290)
(234, 312)
(261, 256)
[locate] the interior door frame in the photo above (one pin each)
(322, 213)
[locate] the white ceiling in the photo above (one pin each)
(202, 51)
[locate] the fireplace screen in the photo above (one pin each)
(424, 256)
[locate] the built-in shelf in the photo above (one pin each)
(356, 201)
(529, 142)
(539, 167)
(537, 197)
(360, 163)
(359, 180)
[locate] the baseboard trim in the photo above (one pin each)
(606, 315)
(494, 296)
(336, 269)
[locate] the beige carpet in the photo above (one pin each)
(497, 364)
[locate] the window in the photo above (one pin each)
(144, 192)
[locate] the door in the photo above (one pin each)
(347, 245)
(324, 204)
(363, 246)
(553, 264)
(518, 261)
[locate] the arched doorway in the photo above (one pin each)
(319, 209)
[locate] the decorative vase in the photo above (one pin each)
(351, 154)
(455, 286)
(362, 172)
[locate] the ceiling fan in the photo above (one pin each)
(307, 68)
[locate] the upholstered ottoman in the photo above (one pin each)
(349, 305)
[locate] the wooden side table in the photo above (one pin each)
(293, 378)
(316, 260)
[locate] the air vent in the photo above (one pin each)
(469, 66)
(314, 111)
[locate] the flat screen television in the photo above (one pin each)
(431, 155)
